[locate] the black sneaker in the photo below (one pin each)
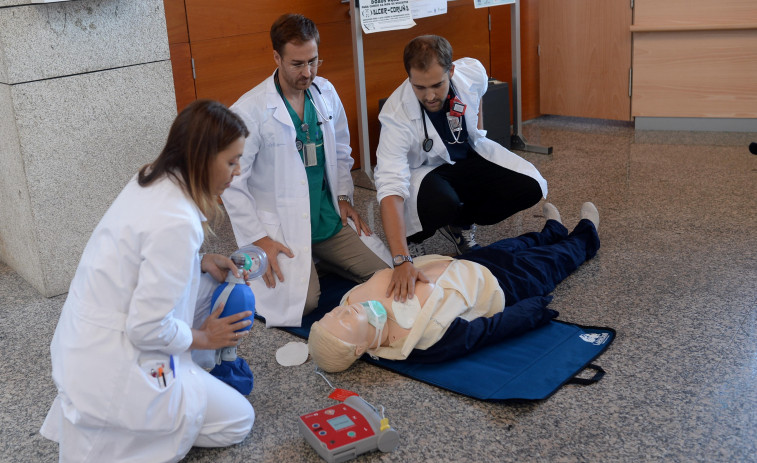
(463, 239)
(416, 249)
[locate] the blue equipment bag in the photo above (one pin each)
(531, 366)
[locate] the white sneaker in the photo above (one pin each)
(589, 211)
(550, 212)
(416, 249)
(464, 240)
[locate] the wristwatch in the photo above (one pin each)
(400, 259)
(344, 198)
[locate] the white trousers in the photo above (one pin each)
(229, 416)
(228, 420)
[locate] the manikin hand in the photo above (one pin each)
(402, 284)
(272, 249)
(347, 211)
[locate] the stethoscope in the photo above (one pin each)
(427, 142)
(325, 105)
(310, 97)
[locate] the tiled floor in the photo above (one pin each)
(675, 277)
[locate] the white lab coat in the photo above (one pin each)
(271, 198)
(130, 306)
(401, 161)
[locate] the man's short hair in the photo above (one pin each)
(294, 28)
(422, 52)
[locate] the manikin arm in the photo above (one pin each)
(463, 337)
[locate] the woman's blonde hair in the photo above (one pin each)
(330, 353)
(202, 130)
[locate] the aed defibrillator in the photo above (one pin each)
(342, 432)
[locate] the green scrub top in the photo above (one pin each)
(325, 221)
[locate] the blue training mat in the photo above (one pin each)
(531, 366)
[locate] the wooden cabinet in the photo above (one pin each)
(585, 58)
(695, 58)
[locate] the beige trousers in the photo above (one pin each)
(345, 255)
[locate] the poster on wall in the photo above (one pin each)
(385, 15)
(425, 8)
(488, 3)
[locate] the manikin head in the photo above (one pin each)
(345, 334)
(428, 62)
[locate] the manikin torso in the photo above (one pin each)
(375, 290)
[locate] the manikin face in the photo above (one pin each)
(292, 74)
(431, 86)
(225, 166)
(350, 324)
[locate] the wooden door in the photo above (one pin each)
(229, 48)
(585, 58)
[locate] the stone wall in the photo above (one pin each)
(86, 98)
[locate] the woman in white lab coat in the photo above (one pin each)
(128, 389)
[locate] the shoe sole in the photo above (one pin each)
(458, 249)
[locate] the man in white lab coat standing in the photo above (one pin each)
(294, 195)
(435, 167)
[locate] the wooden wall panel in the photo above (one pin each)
(227, 67)
(232, 47)
(468, 33)
(500, 41)
(529, 58)
(181, 64)
(694, 12)
(176, 21)
(181, 54)
(695, 74)
(228, 18)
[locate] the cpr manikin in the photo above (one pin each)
(236, 297)
(482, 297)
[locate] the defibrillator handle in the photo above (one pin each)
(388, 437)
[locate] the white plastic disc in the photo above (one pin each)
(292, 353)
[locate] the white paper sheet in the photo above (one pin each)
(425, 8)
(385, 15)
(488, 3)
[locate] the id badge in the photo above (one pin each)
(310, 159)
(455, 122)
(456, 107)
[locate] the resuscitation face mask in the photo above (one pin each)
(251, 259)
(376, 314)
